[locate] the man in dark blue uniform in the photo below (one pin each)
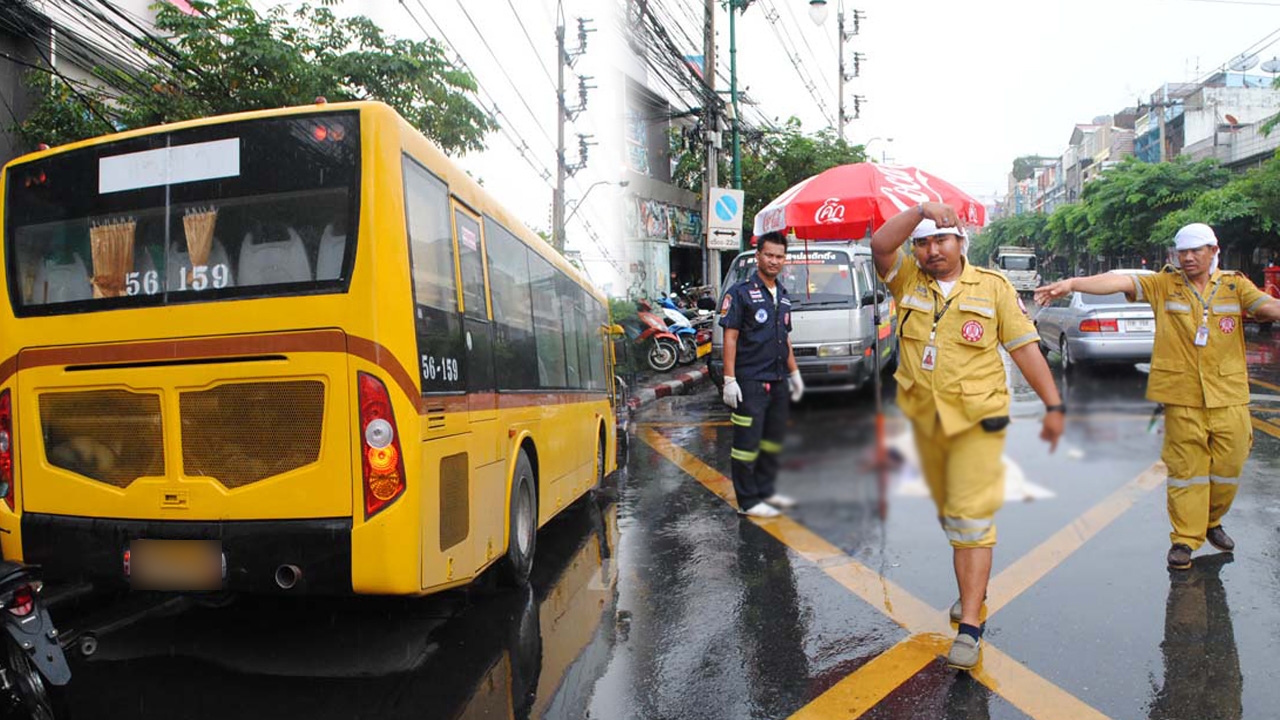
(758, 367)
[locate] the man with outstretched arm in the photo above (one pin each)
(1198, 372)
(952, 319)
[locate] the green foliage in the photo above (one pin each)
(1026, 230)
(621, 309)
(60, 114)
(1127, 201)
(1025, 166)
(772, 161)
(1135, 208)
(783, 157)
(229, 58)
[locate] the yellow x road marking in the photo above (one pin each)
(930, 633)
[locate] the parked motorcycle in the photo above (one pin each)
(686, 333)
(32, 654)
(661, 347)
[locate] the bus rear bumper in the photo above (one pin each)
(79, 549)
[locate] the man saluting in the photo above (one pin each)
(952, 319)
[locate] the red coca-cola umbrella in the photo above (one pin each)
(840, 203)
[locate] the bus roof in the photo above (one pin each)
(460, 183)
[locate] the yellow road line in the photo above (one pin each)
(703, 473)
(1030, 568)
(1029, 692)
(864, 688)
(1265, 384)
(1010, 679)
(1266, 427)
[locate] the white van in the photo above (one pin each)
(833, 289)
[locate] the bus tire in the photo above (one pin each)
(522, 526)
(598, 481)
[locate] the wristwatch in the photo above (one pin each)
(1061, 407)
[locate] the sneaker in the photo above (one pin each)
(965, 652)
(1219, 538)
(761, 510)
(957, 613)
(1180, 557)
(782, 502)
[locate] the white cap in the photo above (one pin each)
(1194, 236)
(928, 227)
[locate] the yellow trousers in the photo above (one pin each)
(1205, 450)
(965, 475)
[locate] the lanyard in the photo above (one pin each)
(1204, 318)
(937, 315)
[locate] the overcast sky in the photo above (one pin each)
(962, 88)
(516, 71)
(965, 87)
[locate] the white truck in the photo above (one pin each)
(1019, 265)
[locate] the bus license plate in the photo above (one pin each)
(175, 565)
(1139, 325)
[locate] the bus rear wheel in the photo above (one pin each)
(522, 526)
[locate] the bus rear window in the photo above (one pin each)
(245, 209)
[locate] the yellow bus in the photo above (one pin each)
(293, 350)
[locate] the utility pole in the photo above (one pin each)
(711, 135)
(1160, 107)
(840, 38)
(557, 202)
(566, 114)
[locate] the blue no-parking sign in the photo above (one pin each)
(724, 222)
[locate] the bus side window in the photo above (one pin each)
(439, 327)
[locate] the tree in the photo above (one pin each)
(772, 161)
(784, 156)
(228, 58)
(1026, 230)
(1025, 166)
(1126, 201)
(1066, 237)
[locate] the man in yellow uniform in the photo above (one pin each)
(1198, 372)
(952, 318)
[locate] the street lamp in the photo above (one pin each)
(867, 144)
(592, 186)
(818, 11)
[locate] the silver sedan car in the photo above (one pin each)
(1096, 329)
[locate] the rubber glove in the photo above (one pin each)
(797, 386)
(732, 394)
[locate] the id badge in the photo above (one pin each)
(1202, 336)
(930, 359)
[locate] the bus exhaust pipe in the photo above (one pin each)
(287, 576)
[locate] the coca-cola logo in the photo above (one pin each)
(771, 220)
(832, 211)
(905, 191)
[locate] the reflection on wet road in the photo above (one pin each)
(478, 654)
(655, 600)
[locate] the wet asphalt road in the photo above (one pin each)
(655, 600)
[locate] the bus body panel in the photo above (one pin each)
(73, 474)
(420, 542)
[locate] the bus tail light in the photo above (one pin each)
(6, 449)
(380, 457)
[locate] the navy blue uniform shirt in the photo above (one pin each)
(762, 327)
